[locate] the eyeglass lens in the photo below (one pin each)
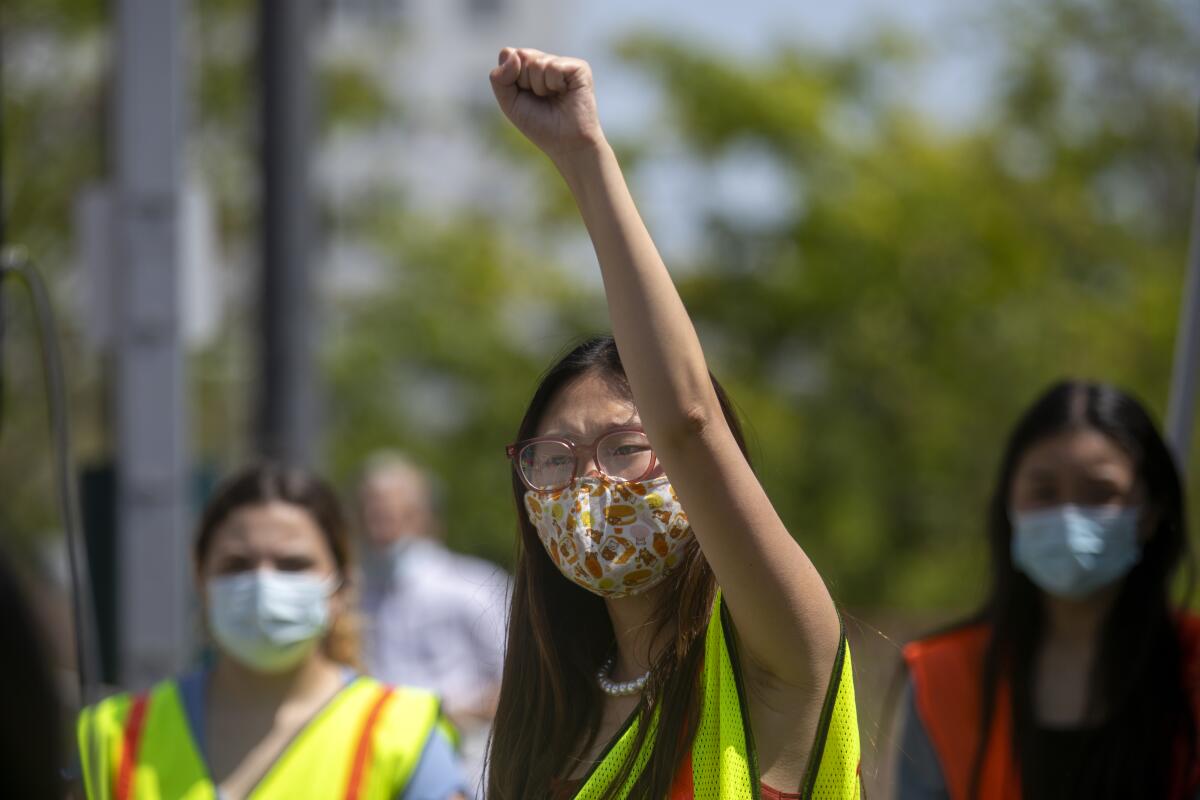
(625, 455)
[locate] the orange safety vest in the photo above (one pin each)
(946, 673)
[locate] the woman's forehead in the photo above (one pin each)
(1077, 451)
(585, 407)
(269, 525)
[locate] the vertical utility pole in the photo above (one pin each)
(3, 230)
(287, 407)
(151, 423)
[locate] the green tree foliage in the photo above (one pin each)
(57, 62)
(52, 144)
(883, 338)
(439, 358)
(880, 333)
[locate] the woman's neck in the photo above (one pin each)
(310, 680)
(1077, 623)
(1063, 695)
(640, 634)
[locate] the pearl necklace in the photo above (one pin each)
(615, 689)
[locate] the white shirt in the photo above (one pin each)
(435, 619)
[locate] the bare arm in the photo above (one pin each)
(783, 612)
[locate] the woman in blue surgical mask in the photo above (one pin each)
(1079, 677)
(281, 712)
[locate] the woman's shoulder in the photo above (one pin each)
(114, 714)
(1188, 624)
(119, 701)
(393, 692)
(404, 716)
(967, 638)
(413, 737)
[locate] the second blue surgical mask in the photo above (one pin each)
(269, 620)
(1072, 551)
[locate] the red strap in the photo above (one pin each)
(362, 752)
(1187, 773)
(682, 788)
(133, 742)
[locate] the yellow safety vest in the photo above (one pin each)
(364, 745)
(723, 761)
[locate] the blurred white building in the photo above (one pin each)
(432, 57)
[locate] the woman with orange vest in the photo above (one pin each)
(668, 638)
(1078, 679)
(280, 713)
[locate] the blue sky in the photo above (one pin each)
(673, 190)
(951, 85)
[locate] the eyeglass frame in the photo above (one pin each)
(514, 450)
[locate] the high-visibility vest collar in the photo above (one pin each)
(364, 745)
(722, 764)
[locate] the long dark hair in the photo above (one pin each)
(31, 750)
(272, 482)
(559, 634)
(1137, 684)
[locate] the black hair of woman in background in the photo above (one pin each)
(30, 732)
(1078, 678)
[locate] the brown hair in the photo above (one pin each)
(269, 482)
(559, 634)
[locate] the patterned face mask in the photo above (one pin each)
(613, 538)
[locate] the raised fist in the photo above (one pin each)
(548, 98)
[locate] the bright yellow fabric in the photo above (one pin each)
(316, 764)
(610, 767)
(723, 766)
(838, 769)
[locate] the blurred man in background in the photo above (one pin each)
(434, 618)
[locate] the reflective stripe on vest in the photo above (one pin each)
(362, 750)
(364, 745)
(947, 682)
(722, 764)
(130, 747)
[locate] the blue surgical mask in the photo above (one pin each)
(1073, 551)
(269, 620)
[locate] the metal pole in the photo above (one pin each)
(3, 225)
(286, 418)
(87, 654)
(151, 422)
(1181, 410)
(3, 141)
